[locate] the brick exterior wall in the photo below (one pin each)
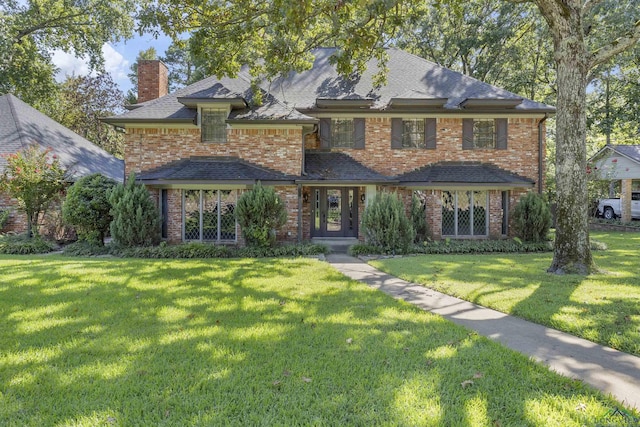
(277, 149)
(280, 149)
(153, 79)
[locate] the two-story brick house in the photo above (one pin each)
(328, 144)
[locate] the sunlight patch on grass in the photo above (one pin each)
(213, 342)
(601, 307)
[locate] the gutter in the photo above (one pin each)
(540, 144)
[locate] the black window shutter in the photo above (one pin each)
(396, 133)
(358, 133)
(430, 130)
(324, 132)
(467, 134)
(501, 134)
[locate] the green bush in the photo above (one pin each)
(136, 220)
(21, 244)
(419, 220)
(461, 247)
(260, 213)
(206, 250)
(4, 218)
(386, 225)
(87, 207)
(532, 218)
(85, 248)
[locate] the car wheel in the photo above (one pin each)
(608, 213)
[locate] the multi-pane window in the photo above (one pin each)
(465, 213)
(484, 133)
(213, 127)
(209, 215)
(342, 133)
(413, 133)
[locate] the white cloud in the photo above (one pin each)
(114, 64)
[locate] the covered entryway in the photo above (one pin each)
(334, 211)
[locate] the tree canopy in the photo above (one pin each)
(31, 30)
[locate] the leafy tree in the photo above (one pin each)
(132, 94)
(487, 40)
(82, 101)
(35, 179)
(31, 31)
(87, 207)
(183, 67)
(136, 220)
(276, 37)
(260, 213)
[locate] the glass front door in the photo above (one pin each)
(334, 212)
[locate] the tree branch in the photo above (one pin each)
(617, 46)
(51, 23)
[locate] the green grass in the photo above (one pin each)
(603, 307)
(123, 342)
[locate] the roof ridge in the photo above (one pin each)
(16, 121)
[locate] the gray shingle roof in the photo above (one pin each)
(291, 97)
(219, 169)
(461, 173)
(630, 151)
(22, 125)
(338, 167)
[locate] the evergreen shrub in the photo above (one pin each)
(136, 220)
(419, 220)
(532, 218)
(87, 207)
(385, 224)
(260, 213)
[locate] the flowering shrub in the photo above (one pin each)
(34, 178)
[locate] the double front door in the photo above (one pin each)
(334, 212)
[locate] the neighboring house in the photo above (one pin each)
(328, 144)
(619, 162)
(22, 125)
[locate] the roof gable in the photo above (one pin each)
(22, 125)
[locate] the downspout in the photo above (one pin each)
(303, 173)
(540, 144)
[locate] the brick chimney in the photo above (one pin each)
(153, 79)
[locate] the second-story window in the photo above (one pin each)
(484, 134)
(413, 133)
(342, 133)
(212, 125)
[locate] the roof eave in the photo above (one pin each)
(185, 182)
(121, 121)
(455, 185)
(309, 121)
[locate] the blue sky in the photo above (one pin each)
(118, 58)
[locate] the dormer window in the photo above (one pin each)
(213, 127)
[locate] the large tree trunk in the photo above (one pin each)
(572, 249)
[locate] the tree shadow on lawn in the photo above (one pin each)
(208, 343)
(572, 303)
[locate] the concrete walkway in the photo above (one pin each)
(604, 368)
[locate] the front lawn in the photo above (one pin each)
(603, 307)
(113, 342)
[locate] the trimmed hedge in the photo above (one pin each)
(461, 247)
(194, 250)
